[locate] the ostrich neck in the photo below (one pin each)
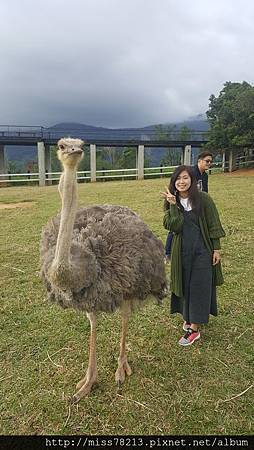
(68, 191)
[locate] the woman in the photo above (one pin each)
(195, 258)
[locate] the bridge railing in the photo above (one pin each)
(21, 131)
(99, 135)
(122, 135)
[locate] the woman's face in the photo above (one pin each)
(183, 182)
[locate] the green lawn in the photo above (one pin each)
(173, 390)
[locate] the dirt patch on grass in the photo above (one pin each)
(16, 205)
(240, 172)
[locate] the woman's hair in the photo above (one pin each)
(194, 194)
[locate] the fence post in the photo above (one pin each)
(93, 162)
(41, 162)
(3, 163)
(223, 165)
(141, 156)
(232, 161)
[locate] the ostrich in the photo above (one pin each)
(98, 258)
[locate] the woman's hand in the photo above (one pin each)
(169, 197)
(216, 257)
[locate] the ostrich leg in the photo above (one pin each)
(85, 385)
(123, 366)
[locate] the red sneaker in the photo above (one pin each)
(189, 337)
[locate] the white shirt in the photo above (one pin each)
(186, 204)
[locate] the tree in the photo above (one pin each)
(231, 117)
(165, 133)
(128, 158)
(172, 157)
(185, 133)
(108, 157)
(55, 163)
(12, 167)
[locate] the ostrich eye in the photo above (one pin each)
(61, 147)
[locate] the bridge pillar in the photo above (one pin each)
(187, 155)
(141, 158)
(3, 162)
(232, 160)
(48, 164)
(41, 162)
(93, 162)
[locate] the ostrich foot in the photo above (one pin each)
(80, 383)
(123, 368)
(84, 387)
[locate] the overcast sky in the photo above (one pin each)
(119, 63)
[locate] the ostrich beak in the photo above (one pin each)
(76, 151)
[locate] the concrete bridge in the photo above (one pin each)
(43, 138)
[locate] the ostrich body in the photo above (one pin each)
(98, 258)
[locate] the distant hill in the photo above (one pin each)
(197, 123)
(22, 155)
(75, 126)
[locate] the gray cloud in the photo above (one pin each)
(114, 63)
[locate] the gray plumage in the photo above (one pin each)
(117, 256)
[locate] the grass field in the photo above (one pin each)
(204, 389)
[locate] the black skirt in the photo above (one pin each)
(199, 299)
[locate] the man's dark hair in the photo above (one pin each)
(203, 155)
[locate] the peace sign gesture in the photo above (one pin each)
(168, 196)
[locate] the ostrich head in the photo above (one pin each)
(70, 151)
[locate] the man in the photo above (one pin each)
(204, 163)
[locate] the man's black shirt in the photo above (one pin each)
(202, 178)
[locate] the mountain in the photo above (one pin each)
(23, 155)
(75, 126)
(196, 123)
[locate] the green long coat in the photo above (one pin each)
(211, 230)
